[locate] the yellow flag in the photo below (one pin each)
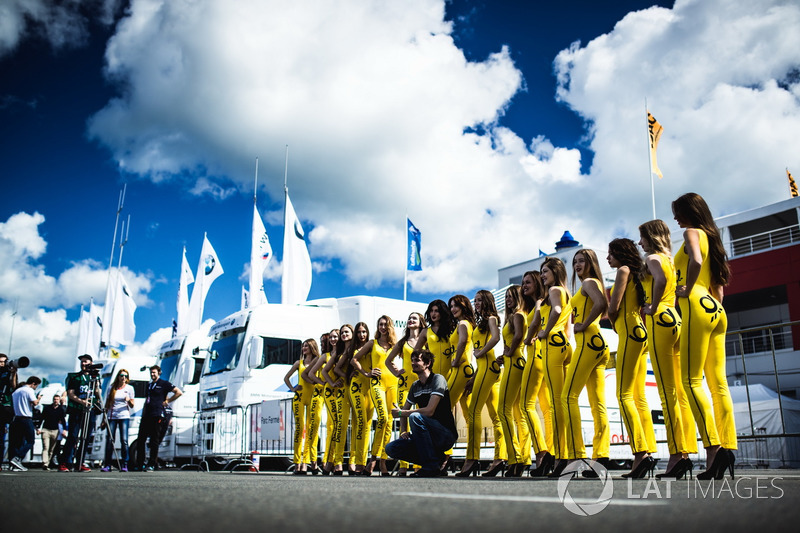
(114, 354)
(654, 129)
(792, 184)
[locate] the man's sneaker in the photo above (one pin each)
(84, 468)
(17, 465)
(63, 468)
(150, 469)
(106, 469)
(124, 469)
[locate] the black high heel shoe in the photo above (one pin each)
(515, 470)
(643, 469)
(447, 465)
(545, 467)
(561, 464)
(591, 474)
(499, 468)
(474, 470)
(723, 460)
(678, 470)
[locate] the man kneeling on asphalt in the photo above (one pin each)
(429, 430)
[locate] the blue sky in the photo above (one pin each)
(494, 125)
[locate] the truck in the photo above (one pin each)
(251, 351)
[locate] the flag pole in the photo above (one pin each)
(255, 183)
(405, 265)
(650, 158)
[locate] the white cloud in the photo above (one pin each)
(380, 109)
(33, 303)
(62, 24)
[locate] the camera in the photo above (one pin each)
(21, 362)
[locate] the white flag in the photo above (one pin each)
(245, 298)
(260, 254)
(208, 269)
(118, 325)
(187, 278)
(89, 330)
(296, 280)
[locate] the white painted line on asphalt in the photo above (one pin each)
(526, 499)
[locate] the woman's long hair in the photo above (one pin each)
(559, 270)
(119, 382)
(488, 309)
(594, 267)
(529, 302)
(324, 343)
(656, 232)
(625, 251)
(344, 349)
(447, 323)
(312, 347)
(463, 303)
(692, 211)
(516, 304)
(407, 331)
(391, 336)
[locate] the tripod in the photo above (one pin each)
(86, 421)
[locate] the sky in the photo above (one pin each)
(494, 126)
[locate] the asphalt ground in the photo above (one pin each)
(759, 501)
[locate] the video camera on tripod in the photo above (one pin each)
(21, 362)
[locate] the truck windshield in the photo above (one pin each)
(169, 366)
(225, 351)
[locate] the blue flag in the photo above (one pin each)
(414, 244)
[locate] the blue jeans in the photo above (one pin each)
(23, 434)
(123, 424)
(429, 440)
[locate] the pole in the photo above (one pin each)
(255, 184)
(649, 158)
(405, 264)
(13, 319)
(120, 206)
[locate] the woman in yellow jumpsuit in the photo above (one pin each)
(306, 408)
(484, 386)
(663, 330)
(556, 350)
(341, 402)
(533, 387)
(383, 387)
(404, 374)
(314, 374)
(513, 362)
(588, 365)
(461, 369)
(360, 400)
(703, 272)
(624, 312)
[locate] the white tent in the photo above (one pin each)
(766, 420)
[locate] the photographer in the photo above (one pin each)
(8, 383)
(23, 432)
(78, 408)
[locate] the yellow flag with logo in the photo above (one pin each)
(115, 354)
(654, 129)
(792, 184)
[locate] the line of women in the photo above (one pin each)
(669, 308)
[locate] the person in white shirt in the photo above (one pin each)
(119, 405)
(23, 432)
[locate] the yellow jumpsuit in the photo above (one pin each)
(329, 398)
(663, 330)
(383, 391)
(442, 350)
(703, 352)
(514, 430)
(460, 375)
(306, 408)
(632, 372)
(586, 369)
(487, 379)
(404, 382)
(361, 403)
(556, 353)
(532, 389)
